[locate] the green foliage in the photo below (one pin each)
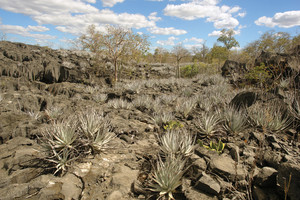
(208, 123)
(173, 125)
(234, 121)
(227, 39)
(167, 176)
(218, 147)
(258, 74)
(189, 71)
(176, 143)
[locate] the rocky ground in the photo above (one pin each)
(40, 87)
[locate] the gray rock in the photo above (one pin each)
(124, 178)
(259, 194)
(208, 184)
(193, 194)
(225, 166)
(115, 195)
(198, 164)
(234, 151)
(285, 171)
(266, 177)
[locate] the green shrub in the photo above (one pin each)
(258, 74)
(189, 71)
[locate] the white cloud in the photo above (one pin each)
(37, 28)
(73, 16)
(166, 31)
(194, 39)
(207, 9)
(218, 33)
(214, 34)
(153, 17)
(285, 20)
(33, 7)
(25, 32)
(169, 42)
(242, 14)
(110, 3)
(90, 1)
(192, 46)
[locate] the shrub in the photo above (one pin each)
(258, 74)
(189, 71)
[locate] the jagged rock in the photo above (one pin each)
(228, 168)
(234, 151)
(266, 177)
(244, 99)
(233, 69)
(44, 64)
(192, 194)
(287, 171)
(124, 178)
(199, 165)
(259, 194)
(208, 184)
(116, 195)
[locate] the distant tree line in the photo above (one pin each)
(122, 45)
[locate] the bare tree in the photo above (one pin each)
(179, 52)
(2, 36)
(160, 54)
(116, 43)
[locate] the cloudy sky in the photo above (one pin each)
(166, 22)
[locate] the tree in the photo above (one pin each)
(160, 54)
(219, 53)
(179, 52)
(2, 36)
(117, 43)
(227, 39)
(201, 53)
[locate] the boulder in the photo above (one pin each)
(266, 177)
(233, 70)
(226, 167)
(208, 184)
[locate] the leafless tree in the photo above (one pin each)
(117, 43)
(179, 52)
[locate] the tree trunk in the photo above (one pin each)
(116, 70)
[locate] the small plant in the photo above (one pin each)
(287, 186)
(218, 147)
(234, 121)
(185, 106)
(61, 135)
(173, 125)
(54, 113)
(208, 123)
(177, 143)
(95, 129)
(162, 118)
(61, 160)
(34, 115)
(144, 101)
(100, 98)
(167, 177)
(269, 117)
(120, 104)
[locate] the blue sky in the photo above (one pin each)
(167, 22)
